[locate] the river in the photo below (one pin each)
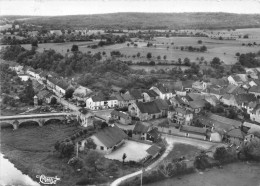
(11, 176)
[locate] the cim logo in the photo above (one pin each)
(47, 180)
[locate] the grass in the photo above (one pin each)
(224, 49)
(31, 150)
(186, 150)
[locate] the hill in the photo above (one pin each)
(149, 21)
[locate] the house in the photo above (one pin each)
(180, 101)
(51, 82)
(140, 131)
(180, 116)
(163, 91)
(238, 79)
(243, 100)
(100, 101)
(233, 89)
(211, 99)
(219, 123)
(82, 93)
(235, 136)
(149, 95)
(223, 82)
(61, 86)
(194, 132)
(229, 99)
(214, 91)
(255, 113)
(197, 106)
(136, 94)
(121, 117)
(18, 69)
(107, 139)
(255, 90)
(86, 118)
(183, 87)
(56, 32)
(45, 96)
(148, 110)
(154, 150)
(199, 86)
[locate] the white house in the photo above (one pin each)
(162, 91)
(107, 139)
(255, 114)
(99, 101)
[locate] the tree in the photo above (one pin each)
(53, 101)
(65, 149)
(75, 48)
(187, 61)
(138, 54)
(124, 157)
(164, 57)
(89, 144)
(158, 57)
(34, 43)
(69, 92)
(92, 158)
(215, 62)
(152, 63)
(28, 93)
(237, 54)
(199, 42)
(149, 55)
(179, 61)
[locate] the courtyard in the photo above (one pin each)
(134, 151)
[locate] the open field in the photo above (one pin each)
(224, 49)
(134, 151)
(236, 174)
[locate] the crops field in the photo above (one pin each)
(170, 47)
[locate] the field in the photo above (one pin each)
(236, 174)
(130, 149)
(224, 49)
(31, 150)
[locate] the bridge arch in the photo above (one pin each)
(29, 122)
(6, 125)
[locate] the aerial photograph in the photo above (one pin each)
(130, 92)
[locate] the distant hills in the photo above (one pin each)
(147, 21)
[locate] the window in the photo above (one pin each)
(101, 148)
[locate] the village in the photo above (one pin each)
(118, 106)
(189, 109)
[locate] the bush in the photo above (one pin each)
(225, 155)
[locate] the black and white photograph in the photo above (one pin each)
(130, 92)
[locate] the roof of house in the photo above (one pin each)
(233, 89)
(136, 94)
(197, 104)
(154, 133)
(187, 83)
(120, 113)
(223, 122)
(255, 89)
(127, 97)
(162, 104)
(163, 89)
(236, 133)
(195, 96)
(151, 93)
(153, 150)
(82, 92)
(44, 94)
(237, 78)
(148, 107)
(228, 96)
(141, 127)
(191, 129)
(181, 110)
(257, 107)
(62, 84)
(110, 136)
(245, 98)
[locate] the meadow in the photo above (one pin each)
(170, 47)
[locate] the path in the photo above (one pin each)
(171, 140)
(167, 151)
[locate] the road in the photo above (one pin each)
(171, 140)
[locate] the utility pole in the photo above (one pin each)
(77, 151)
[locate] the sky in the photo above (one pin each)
(76, 7)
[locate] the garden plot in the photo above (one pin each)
(134, 151)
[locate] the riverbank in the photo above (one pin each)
(30, 149)
(234, 174)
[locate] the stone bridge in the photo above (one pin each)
(16, 120)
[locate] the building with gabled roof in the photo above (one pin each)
(154, 151)
(235, 136)
(100, 101)
(108, 139)
(180, 116)
(121, 117)
(82, 93)
(162, 90)
(194, 132)
(148, 110)
(255, 90)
